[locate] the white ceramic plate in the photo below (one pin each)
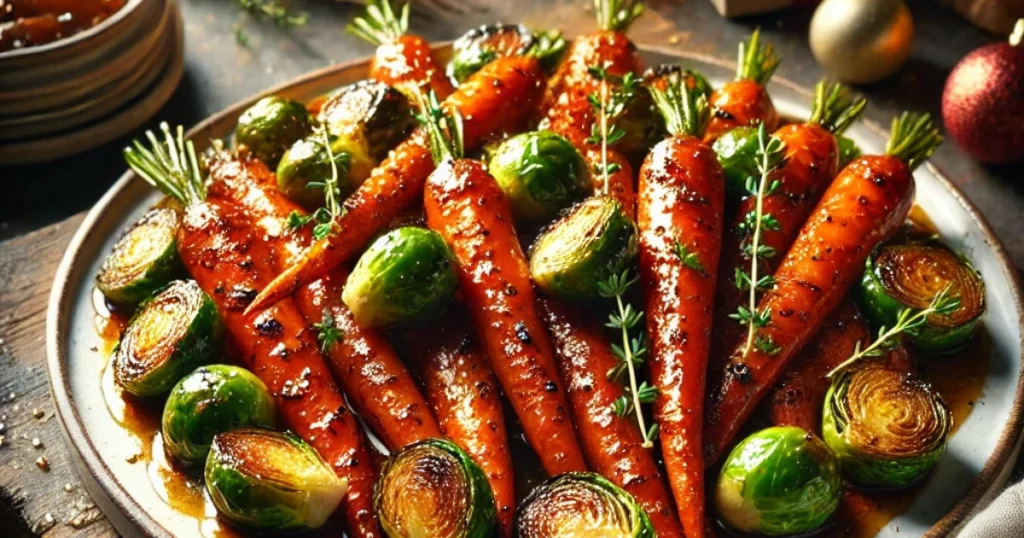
(979, 456)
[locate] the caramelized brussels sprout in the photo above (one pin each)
(581, 504)
(434, 489)
(541, 173)
(171, 334)
(479, 46)
(368, 114)
(144, 259)
(271, 126)
(910, 276)
(211, 400)
(779, 481)
(887, 428)
(271, 481)
(308, 163)
(593, 242)
(405, 276)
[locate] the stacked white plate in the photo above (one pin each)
(74, 94)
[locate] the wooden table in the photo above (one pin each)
(41, 205)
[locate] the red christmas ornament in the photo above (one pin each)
(983, 103)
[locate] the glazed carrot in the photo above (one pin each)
(465, 398)
(866, 204)
(611, 444)
(680, 205)
(370, 373)
(467, 207)
(810, 161)
(744, 101)
(798, 397)
(217, 245)
(498, 97)
(568, 110)
(608, 48)
(402, 60)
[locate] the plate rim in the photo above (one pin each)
(131, 513)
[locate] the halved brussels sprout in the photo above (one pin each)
(432, 489)
(271, 126)
(371, 114)
(540, 173)
(406, 275)
(211, 400)
(144, 259)
(593, 242)
(581, 504)
(909, 276)
(480, 46)
(171, 334)
(848, 151)
(737, 153)
(887, 428)
(779, 481)
(271, 481)
(308, 162)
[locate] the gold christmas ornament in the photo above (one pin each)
(861, 41)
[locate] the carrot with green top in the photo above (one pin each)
(744, 101)
(680, 210)
(467, 207)
(866, 203)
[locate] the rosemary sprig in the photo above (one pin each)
(631, 352)
(274, 11)
(380, 25)
(326, 216)
(328, 333)
(609, 104)
(908, 321)
(770, 155)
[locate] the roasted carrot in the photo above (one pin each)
(465, 398)
(680, 205)
(402, 60)
(866, 203)
(219, 247)
(809, 162)
(568, 110)
(744, 101)
(370, 373)
(467, 207)
(798, 397)
(611, 444)
(498, 97)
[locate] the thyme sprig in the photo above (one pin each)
(631, 353)
(609, 103)
(328, 332)
(274, 11)
(907, 322)
(770, 156)
(326, 216)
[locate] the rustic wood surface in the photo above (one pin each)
(220, 71)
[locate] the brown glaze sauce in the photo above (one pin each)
(958, 377)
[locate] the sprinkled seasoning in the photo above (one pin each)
(36, 443)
